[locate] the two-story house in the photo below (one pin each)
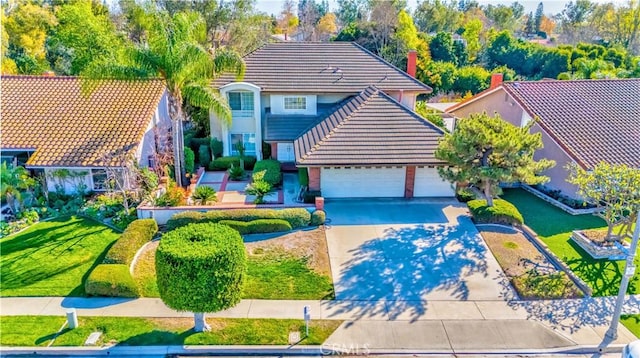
(340, 111)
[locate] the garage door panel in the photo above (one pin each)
(429, 184)
(362, 182)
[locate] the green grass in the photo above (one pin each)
(52, 258)
(554, 227)
(276, 277)
(270, 276)
(632, 322)
(128, 331)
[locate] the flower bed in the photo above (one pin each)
(599, 249)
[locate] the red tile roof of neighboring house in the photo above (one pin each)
(67, 128)
(593, 120)
(321, 67)
(370, 129)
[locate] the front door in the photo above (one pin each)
(285, 152)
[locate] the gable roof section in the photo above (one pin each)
(70, 129)
(593, 120)
(317, 67)
(370, 129)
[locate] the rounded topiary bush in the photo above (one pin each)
(502, 212)
(318, 217)
(111, 280)
(201, 268)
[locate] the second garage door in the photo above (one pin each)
(362, 182)
(430, 184)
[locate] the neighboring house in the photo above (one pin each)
(49, 124)
(339, 110)
(581, 121)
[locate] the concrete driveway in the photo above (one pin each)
(402, 253)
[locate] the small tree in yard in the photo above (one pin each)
(259, 187)
(14, 180)
(200, 268)
(615, 189)
(487, 150)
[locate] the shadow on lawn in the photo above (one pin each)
(404, 265)
(158, 338)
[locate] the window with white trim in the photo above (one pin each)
(241, 101)
(100, 179)
(294, 103)
(246, 140)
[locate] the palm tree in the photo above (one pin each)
(173, 50)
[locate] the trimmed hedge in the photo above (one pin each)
(318, 217)
(273, 174)
(259, 226)
(296, 217)
(201, 268)
(303, 176)
(224, 163)
(502, 212)
(111, 280)
(138, 233)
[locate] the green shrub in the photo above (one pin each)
(548, 286)
(204, 194)
(217, 147)
(138, 233)
(224, 163)
(204, 155)
(258, 187)
(271, 167)
(189, 160)
(502, 212)
(259, 226)
(196, 143)
(296, 217)
(112, 281)
(465, 195)
(173, 196)
(303, 176)
(201, 268)
(309, 197)
(236, 173)
(318, 217)
(266, 150)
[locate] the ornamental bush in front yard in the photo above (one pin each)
(111, 280)
(138, 233)
(259, 226)
(318, 217)
(201, 268)
(502, 212)
(271, 167)
(297, 217)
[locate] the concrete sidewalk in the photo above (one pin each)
(443, 326)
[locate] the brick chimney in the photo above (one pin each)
(496, 80)
(412, 58)
(48, 74)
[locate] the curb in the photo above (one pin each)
(286, 351)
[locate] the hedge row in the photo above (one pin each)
(259, 226)
(296, 217)
(138, 233)
(502, 212)
(111, 280)
(271, 167)
(224, 163)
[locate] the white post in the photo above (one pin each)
(72, 318)
(629, 269)
(307, 318)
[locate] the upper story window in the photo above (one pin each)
(241, 101)
(295, 103)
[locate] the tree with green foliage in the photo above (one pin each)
(442, 48)
(13, 182)
(201, 268)
(471, 34)
(174, 50)
(471, 79)
(77, 18)
(486, 151)
(438, 75)
(537, 20)
(615, 188)
(8, 66)
(351, 11)
(437, 16)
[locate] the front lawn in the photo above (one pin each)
(52, 258)
(291, 266)
(554, 227)
(632, 322)
(133, 331)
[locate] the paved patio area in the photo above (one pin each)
(411, 252)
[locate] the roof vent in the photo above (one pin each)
(337, 70)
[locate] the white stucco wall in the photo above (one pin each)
(69, 185)
(277, 104)
(252, 124)
(160, 119)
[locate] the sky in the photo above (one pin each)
(550, 7)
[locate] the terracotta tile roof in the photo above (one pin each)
(593, 120)
(370, 129)
(69, 129)
(317, 67)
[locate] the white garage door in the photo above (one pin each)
(429, 184)
(285, 152)
(362, 182)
